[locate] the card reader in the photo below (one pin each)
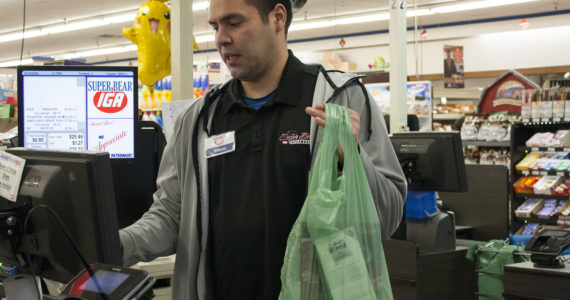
(111, 283)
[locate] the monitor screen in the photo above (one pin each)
(78, 187)
(431, 161)
(78, 108)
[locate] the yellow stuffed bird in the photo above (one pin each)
(151, 34)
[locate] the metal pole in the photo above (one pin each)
(398, 67)
(416, 40)
(182, 50)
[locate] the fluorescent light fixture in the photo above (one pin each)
(85, 23)
(74, 26)
(76, 54)
(310, 25)
(102, 51)
(418, 13)
(476, 5)
(200, 5)
(120, 18)
(205, 38)
(18, 35)
(13, 63)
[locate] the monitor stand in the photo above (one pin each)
(432, 234)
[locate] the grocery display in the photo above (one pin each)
(486, 155)
(548, 105)
(540, 176)
(495, 127)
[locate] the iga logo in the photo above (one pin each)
(110, 102)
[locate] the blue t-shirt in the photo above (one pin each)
(258, 103)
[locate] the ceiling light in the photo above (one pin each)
(119, 18)
(96, 52)
(418, 13)
(85, 23)
(200, 5)
(205, 38)
(362, 19)
(13, 63)
(74, 26)
(476, 5)
(18, 35)
(310, 25)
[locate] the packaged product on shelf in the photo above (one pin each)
(470, 128)
(564, 97)
(498, 123)
(527, 161)
(563, 166)
(485, 132)
(561, 155)
(541, 161)
(557, 104)
(471, 155)
(529, 207)
(487, 157)
(546, 109)
(551, 164)
(531, 228)
(564, 211)
(526, 104)
(503, 157)
(540, 139)
(499, 132)
(548, 208)
(544, 185)
(536, 104)
(559, 207)
(562, 189)
(560, 139)
(524, 185)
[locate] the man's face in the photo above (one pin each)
(246, 44)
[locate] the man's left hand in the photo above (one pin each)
(318, 112)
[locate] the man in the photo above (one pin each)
(234, 175)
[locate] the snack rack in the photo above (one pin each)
(520, 133)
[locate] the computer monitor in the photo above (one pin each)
(93, 108)
(431, 161)
(78, 108)
(78, 187)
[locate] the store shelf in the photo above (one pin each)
(549, 221)
(454, 94)
(542, 121)
(547, 149)
(447, 116)
(540, 196)
(486, 143)
(543, 173)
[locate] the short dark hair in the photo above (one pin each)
(264, 7)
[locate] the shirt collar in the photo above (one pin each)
(288, 92)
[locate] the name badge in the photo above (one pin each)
(220, 144)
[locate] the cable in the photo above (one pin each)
(64, 230)
(23, 31)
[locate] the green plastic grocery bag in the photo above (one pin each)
(334, 250)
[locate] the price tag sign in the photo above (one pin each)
(11, 168)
